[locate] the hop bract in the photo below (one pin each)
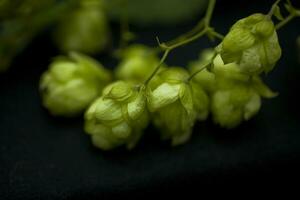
(84, 29)
(253, 44)
(227, 72)
(118, 117)
(171, 103)
(233, 105)
(72, 83)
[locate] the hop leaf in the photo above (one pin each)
(72, 83)
(172, 106)
(253, 44)
(118, 117)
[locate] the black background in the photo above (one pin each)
(42, 157)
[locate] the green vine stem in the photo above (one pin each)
(273, 8)
(287, 20)
(190, 33)
(166, 53)
(293, 14)
(202, 68)
(206, 30)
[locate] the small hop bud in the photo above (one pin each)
(118, 117)
(137, 63)
(253, 44)
(72, 83)
(171, 103)
(85, 29)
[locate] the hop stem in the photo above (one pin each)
(217, 35)
(285, 21)
(202, 68)
(186, 41)
(293, 14)
(273, 8)
(192, 32)
(209, 12)
(166, 53)
(192, 36)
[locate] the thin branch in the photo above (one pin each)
(285, 21)
(202, 68)
(158, 66)
(273, 8)
(167, 49)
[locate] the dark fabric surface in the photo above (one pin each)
(42, 157)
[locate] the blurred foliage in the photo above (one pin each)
(21, 20)
(21, 8)
(84, 29)
(153, 12)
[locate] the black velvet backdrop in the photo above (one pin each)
(42, 157)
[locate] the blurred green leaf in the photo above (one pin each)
(21, 20)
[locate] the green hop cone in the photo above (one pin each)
(252, 43)
(118, 117)
(171, 103)
(72, 83)
(237, 96)
(85, 29)
(137, 63)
